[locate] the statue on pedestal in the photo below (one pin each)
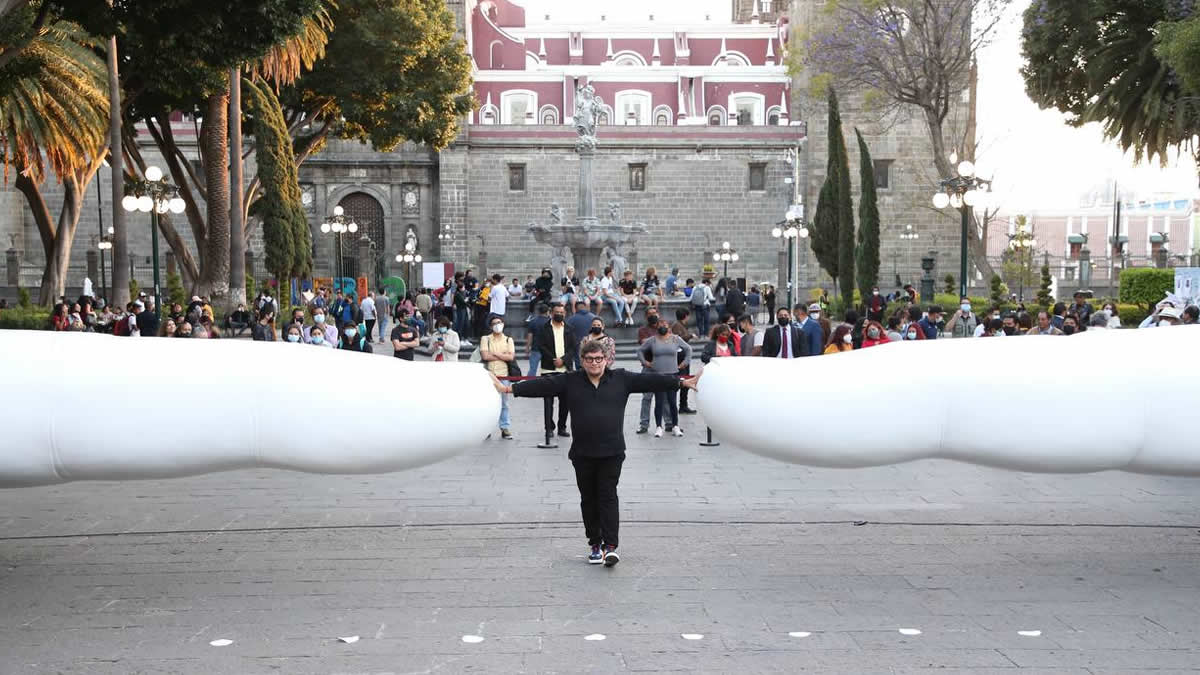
(616, 261)
(614, 212)
(587, 110)
(559, 261)
(555, 214)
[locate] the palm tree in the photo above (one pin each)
(54, 115)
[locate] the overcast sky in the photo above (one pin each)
(1039, 161)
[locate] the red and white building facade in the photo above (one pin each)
(648, 73)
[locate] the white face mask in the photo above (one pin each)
(293, 338)
(498, 328)
(966, 307)
(847, 338)
(351, 332)
(912, 336)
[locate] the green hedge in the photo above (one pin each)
(25, 318)
(1146, 285)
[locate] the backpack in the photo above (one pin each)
(121, 328)
(484, 298)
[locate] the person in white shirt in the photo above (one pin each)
(367, 307)
(497, 298)
(610, 296)
(514, 289)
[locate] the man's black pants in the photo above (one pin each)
(684, 371)
(597, 480)
(548, 409)
(370, 328)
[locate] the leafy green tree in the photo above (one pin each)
(997, 290)
(842, 198)
(950, 287)
(908, 57)
(1043, 295)
(53, 119)
(867, 255)
(823, 235)
(1097, 61)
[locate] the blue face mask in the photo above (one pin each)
(319, 318)
(443, 329)
(317, 339)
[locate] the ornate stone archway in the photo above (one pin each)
(365, 210)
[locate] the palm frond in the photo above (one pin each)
(285, 61)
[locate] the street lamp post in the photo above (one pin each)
(409, 257)
(1022, 244)
(963, 192)
(909, 234)
(725, 255)
(105, 245)
(789, 230)
(156, 196)
(338, 224)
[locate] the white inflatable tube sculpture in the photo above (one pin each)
(1103, 400)
(95, 407)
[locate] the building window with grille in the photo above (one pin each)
(516, 177)
(883, 174)
(637, 177)
(758, 176)
(765, 6)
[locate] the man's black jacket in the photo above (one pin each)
(597, 412)
(543, 343)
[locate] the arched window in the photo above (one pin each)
(773, 115)
(548, 115)
(662, 116)
(365, 210)
(633, 107)
(628, 58)
(748, 107)
(732, 58)
(489, 114)
(605, 116)
(716, 116)
(518, 106)
(496, 55)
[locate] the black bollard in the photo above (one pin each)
(549, 444)
(710, 443)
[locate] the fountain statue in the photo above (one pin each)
(587, 239)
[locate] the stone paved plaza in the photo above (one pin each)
(765, 561)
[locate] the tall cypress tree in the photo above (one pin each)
(843, 199)
(823, 230)
(867, 254)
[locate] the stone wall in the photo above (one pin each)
(696, 196)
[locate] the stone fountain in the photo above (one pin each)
(588, 241)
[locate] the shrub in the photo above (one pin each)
(23, 298)
(133, 289)
(25, 318)
(1146, 285)
(998, 294)
(951, 287)
(175, 292)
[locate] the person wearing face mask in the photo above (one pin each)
(264, 328)
(405, 338)
(662, 354)
(877, 305)
(815, 314)
(1114, 319)
(1009, 324)
(497, 351)
(445, 342)
(784, 340)
(810, 328)
(841, 340)
(316, 336)
(596, 334)
(320, 320)
(720, 345)
(557, 344)
(994, 328)
(893, 330)
(963, 323)
(646, 332)
(184, 330)
(354, 339)
(873, 334)
(294, 333)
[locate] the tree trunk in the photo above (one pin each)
(57, 238)
(120, 242)
(214, 147)
(237, 238)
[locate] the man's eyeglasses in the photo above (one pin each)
(593, 359)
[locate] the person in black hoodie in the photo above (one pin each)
(556, 361)
(596, 397)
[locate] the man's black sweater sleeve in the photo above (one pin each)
(542, 387)
(641, 383)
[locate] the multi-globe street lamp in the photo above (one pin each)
(105, 244)
(409, 257)
(725, 255)
(156, 196)
(789, 230)
(907, 234)
(964, 192)
(338, 224)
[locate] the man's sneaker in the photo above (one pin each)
(564, 433)
(677, 432)
(596, 557)
(642, 430)
(610, 556)
(506, 434)
(658, 432)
